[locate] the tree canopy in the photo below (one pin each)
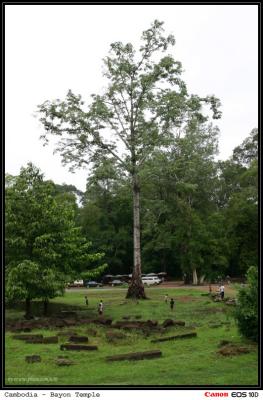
(44, 248)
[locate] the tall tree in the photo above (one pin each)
(144, 103)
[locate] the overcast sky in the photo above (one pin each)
(53, 48)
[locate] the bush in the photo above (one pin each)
(246, 313)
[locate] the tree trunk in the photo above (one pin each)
(45, 307)
(136, 288)
(195, 279)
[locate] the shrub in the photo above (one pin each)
(246, 312)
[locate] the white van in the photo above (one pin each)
(151, 280)
(77, 283)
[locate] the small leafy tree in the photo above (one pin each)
(27, 281)
(246, 312)
(43, 247)
(145, 102)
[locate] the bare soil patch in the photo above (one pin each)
(231, 349)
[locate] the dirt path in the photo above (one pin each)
(229, 291)
(181, 285)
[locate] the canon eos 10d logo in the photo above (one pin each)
(232, 394)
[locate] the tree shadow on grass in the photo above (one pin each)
(17, 309)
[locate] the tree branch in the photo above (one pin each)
(105, 146)
(119, 135)
(118, 116)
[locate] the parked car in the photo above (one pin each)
(116, 282)
(93, 284)
(151, 280)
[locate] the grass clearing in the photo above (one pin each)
(192, 361)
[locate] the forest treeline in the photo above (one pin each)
(199, 216)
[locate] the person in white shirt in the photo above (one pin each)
(100, 308)
(222, 292)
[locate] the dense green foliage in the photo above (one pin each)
(44, 249)
(246, 312)
(196, 211)
(238, 200)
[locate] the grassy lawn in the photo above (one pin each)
(193, 361)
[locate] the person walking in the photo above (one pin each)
(166, 298)
(172, 304)
(100, 308)
(222, 291)
(86, 300)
